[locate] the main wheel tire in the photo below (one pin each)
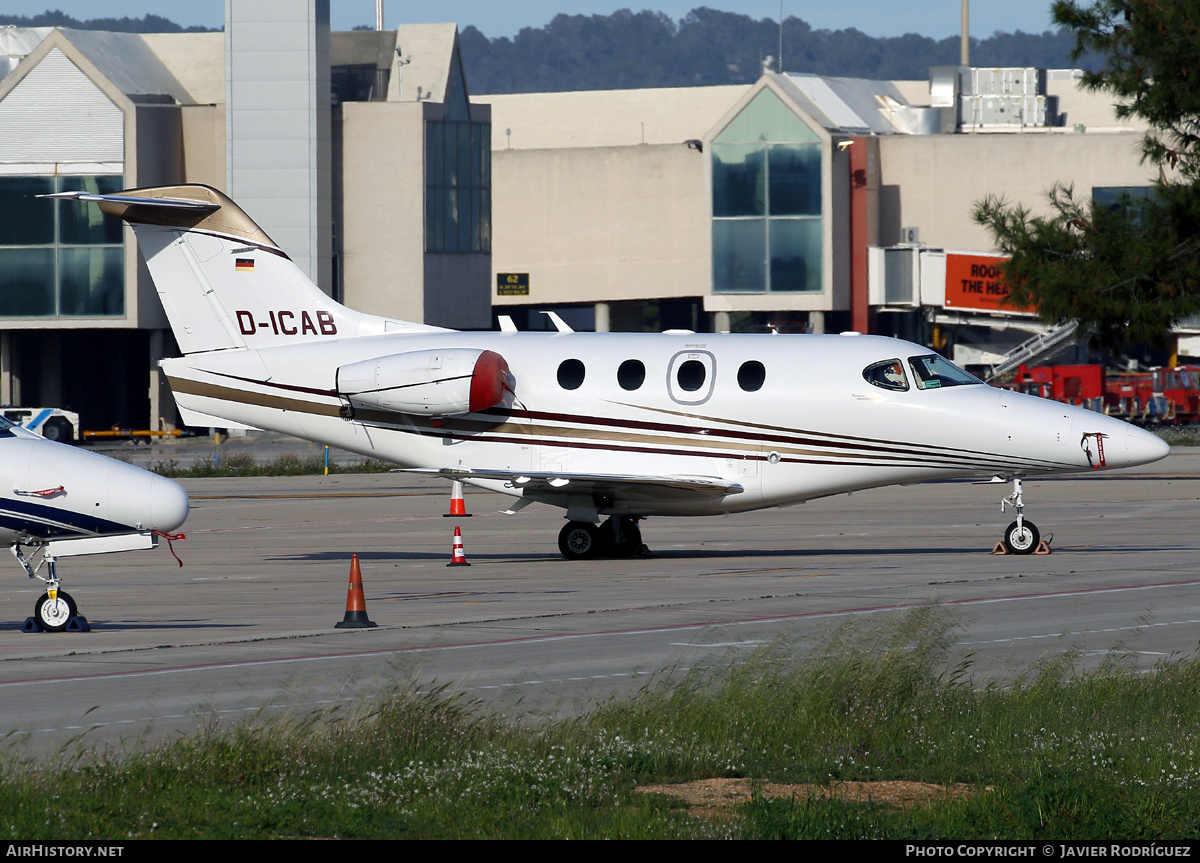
(58, 430)
(52, 615)
(631, 538)
(579, 540)
(1021, 541)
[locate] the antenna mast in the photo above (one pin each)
(965, 50)
(781, 36)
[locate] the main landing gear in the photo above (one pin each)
(1022, 536)
(55, 610)
(619, 536)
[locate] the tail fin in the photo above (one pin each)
(222, 281)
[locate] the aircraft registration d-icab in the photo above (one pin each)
(612, 425)
(58, 501)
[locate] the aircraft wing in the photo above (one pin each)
(623, 486)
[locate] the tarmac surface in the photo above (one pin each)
(245, 628)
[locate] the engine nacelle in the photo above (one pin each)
(428, 383)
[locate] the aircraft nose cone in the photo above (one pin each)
(168, 504)
(1142, 447)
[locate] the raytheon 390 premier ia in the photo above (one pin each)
(58, 501)
(610, 425)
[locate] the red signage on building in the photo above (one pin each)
(975, 283)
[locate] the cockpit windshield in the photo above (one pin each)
(932, 372)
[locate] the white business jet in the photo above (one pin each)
(611, 427)
(57, 501)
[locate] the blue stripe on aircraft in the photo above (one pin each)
(42, 520)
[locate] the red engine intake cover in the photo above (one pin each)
(489, 380)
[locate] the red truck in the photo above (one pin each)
(1162, 395)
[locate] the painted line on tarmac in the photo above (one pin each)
(307, 524)
(1011, 639)
(542, 639)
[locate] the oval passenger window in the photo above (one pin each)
(691, 375)
(752, 375)
(570, 374)
(631, 374)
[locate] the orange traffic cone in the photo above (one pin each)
(356, 603)
(458, 507)
(457, 557)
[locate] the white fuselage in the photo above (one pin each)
(815, 426)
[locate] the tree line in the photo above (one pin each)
(707, 47)
(650, 49)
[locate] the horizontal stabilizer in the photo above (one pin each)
(624, 487)
(188, 206)
(223, 282)
(130, 200)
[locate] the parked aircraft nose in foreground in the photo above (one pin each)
(58, 501)
(611, 427)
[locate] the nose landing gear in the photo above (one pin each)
(55, 610)
(1022, 536)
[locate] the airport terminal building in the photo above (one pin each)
(798, 202)
(359, 153)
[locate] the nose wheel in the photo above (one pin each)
(1022, 536)
(54, 613)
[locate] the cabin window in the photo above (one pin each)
(887, 375)
(933, 372)
(751, 376)
(691, 375)
(631, 374)
(570, 374)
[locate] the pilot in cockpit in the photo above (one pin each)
(894, 374)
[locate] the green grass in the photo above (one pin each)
(1179, 435)
(244, 464)
(1111, 754)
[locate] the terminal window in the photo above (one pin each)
(59, 258)
(458, 187)
(768, 226)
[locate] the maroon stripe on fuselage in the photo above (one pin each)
(900, 460)
(807, 438)
(290, 387)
